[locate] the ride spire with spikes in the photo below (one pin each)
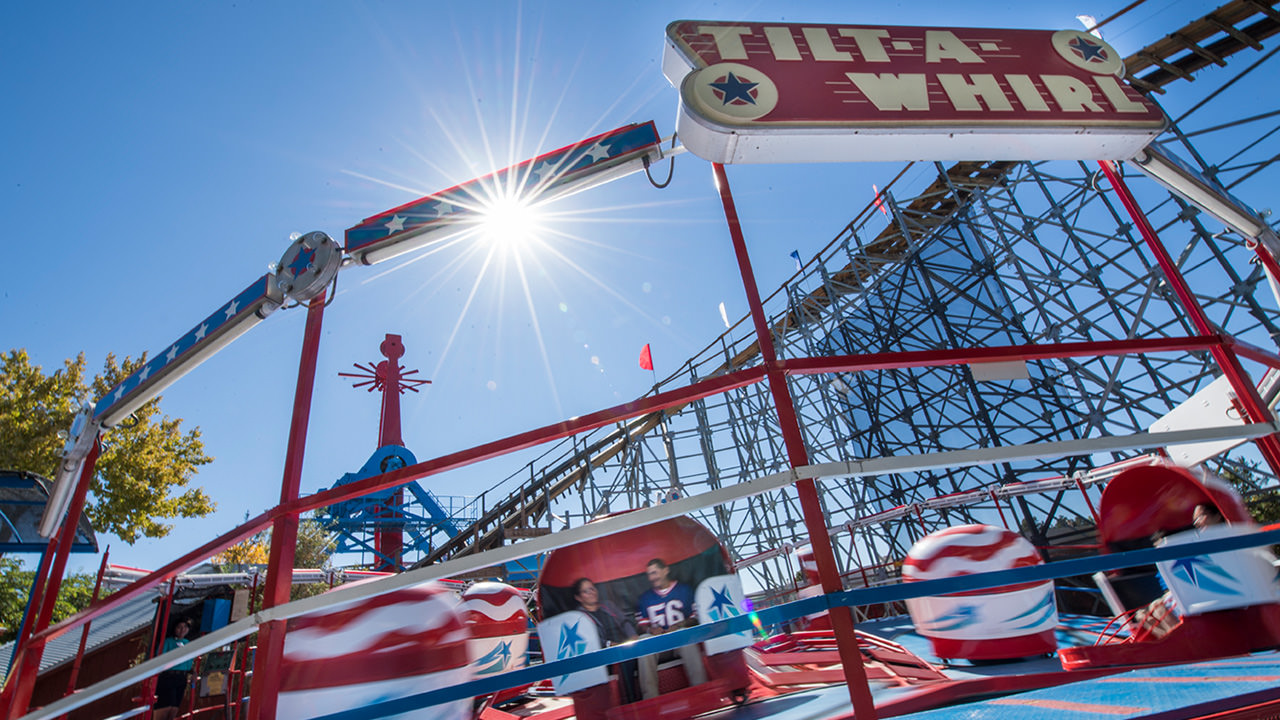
(390, 377)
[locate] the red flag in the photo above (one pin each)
(646, 359)
(879, 201)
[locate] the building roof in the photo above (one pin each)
(23, 496)
(114, 624)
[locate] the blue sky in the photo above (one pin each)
(158, 155)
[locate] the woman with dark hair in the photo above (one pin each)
(614, 628)
(171, 685)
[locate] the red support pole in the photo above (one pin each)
(37, 594)
(1265, 257)
(999, 509)
(84, 634)
(159, 630)
(814, 518)
(265, 688)
(389, 541)
(15, 670)
(1092, 511)
(27, 660)
(1241, 384)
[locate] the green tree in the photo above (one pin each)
(15, 583)
(313, 551)
(147, 460)
(1263, 502)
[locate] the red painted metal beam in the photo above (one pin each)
(1254, 353)
(573, 426)
(855, 674)
(156, 577)
(1246, 392)
(965, 356)
(26, 665)
(389, 542)
(702, 389)
(265, 689)
(84, 635)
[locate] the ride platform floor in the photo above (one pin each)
(1188, 690)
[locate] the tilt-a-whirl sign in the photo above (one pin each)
(775, 92)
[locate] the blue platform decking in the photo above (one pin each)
(1175, 691)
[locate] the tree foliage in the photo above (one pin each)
(313, 551)
(15, 584)
(147, 461)
(1263, 502)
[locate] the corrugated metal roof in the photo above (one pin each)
(112, 626)
(115, 624)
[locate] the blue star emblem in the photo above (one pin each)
(571, 643)
(496, 660)
(734, 90)
(1087, 50)
(304, 259)
(958, 618)
(1205, 574)
(721, 604)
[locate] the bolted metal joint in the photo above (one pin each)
(308, 266)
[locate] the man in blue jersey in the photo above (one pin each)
(667, 605)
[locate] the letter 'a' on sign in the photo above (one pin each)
(778, 92)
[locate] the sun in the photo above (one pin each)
(509, 223)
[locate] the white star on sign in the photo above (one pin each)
(173, 353)
(396, 225)
(595, 154)
(119, 392)
(200, 331)
(231, 309)
(146, 371)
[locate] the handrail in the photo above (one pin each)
(668, 641)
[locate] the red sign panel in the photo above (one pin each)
(762, 92)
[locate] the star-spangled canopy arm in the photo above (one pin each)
(551, 175)
(312, 260)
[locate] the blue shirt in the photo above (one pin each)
(172, 643)
(666, 609)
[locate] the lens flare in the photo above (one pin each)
(750, 609)
(509, 222)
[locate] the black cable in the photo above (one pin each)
(671, 169)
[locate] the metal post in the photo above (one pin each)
(814, 518)
(265, 686)
(27, 664)
(1241, 384)
(1092, 511)
(84, 634)
(999, 509)
(33, 602)
(389, 539)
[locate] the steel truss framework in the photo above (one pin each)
(990, 254)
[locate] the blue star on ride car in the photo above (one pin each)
(1088, 51)
(722, 604)
(504, 651)
(735, 89)
(571, 643)
(1191, 568)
